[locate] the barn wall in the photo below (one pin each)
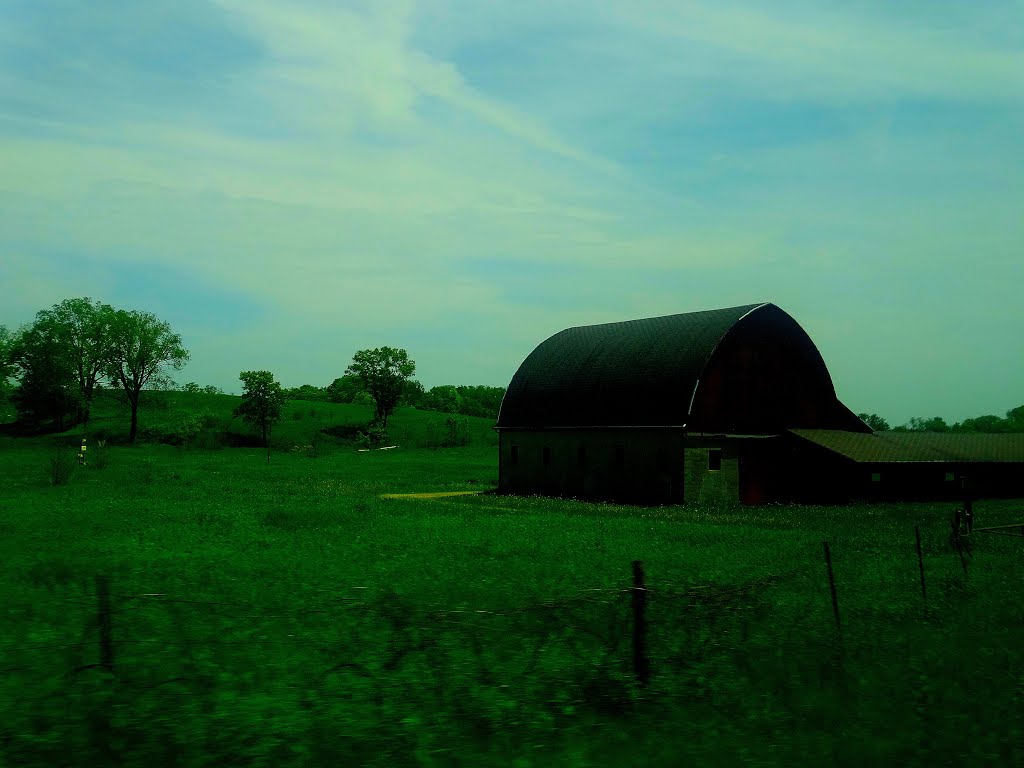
(817, 475)
(639, 466)
(938, 481)
(644, 466)
(766, 376)
(705, 486)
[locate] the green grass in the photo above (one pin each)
(297, 618)
(205, 421)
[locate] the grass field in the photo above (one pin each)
(287, 614)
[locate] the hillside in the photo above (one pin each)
(204, 420)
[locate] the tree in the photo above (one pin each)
(262, 401)
(413, 393)
(383, 373)
(988, 424)
(143, 347)
(920, 424)
(876, 422)
(83, 328)
(306, 392)
(6, 366)
(344, 389)
(47, 390)
(444, 398)
(66, 348)
(1015, 419)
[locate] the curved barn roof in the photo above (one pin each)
(639, 372)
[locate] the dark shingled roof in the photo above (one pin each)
(633, 373)
(884, 447)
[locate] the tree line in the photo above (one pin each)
(1013, 422)
(52, 369)
(483, 401)
(62, 358)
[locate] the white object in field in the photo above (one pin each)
(385, 448)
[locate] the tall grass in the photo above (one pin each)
(286, 614)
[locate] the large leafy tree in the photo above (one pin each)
(262, 401)
(143, 347)
(47, 389)
(83, 328)
(383, 373)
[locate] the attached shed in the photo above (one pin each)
(667, 409)
(831, 465)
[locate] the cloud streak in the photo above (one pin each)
(467, 178)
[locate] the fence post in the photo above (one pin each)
(959, 544)
(641, 664)
(920, 564)
(832, 587)
(105, 623)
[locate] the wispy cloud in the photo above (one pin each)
(467, 177)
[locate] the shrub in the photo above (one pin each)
(179, 432)
(100, 459)
(374, 436)
(449, 433)
(317, 443)
(207, 440)
(456, 431)
(62, 466)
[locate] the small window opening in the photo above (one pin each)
(547, 455)
(950, 477)
(581, 455)
(876, 477)
(514, 455)
(620, 456)
(714, 460)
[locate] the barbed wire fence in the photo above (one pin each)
(627, 626)
(601, 621)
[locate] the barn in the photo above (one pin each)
(666, 409)
(723, 405)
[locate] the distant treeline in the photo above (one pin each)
(52, 368)
(464, 400)
(1013, 422)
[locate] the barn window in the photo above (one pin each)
(620, 456)
(950, 477)
(714, 460)
(547, 455)
(581, 455)
(514, 455)
(876, 477)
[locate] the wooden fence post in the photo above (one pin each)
(958, 541)
(832, 587)
(105, 623)
(641, 664)
(920, 564)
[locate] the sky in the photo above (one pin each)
(289, 181)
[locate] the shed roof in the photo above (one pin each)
(886, 447)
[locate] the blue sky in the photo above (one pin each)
(287, 181)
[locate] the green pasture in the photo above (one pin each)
(286, 614)
(203, 421)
